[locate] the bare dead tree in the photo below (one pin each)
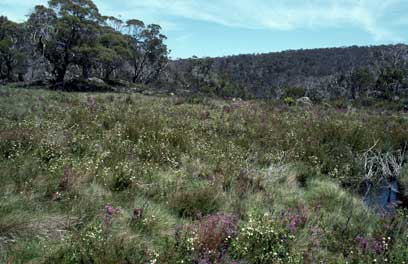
(381, 168)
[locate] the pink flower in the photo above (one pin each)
(109, 209)
(362, 242)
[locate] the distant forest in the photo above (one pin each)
(70, 45)
(350, 72)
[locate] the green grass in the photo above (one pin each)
(64, 157)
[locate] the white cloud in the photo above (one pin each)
(377, 17)
(368, 15)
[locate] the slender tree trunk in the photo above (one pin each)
(139, 68)
(85, 72)
(60, 74)
(353, 92)
(134, 78)
(9, 71)
(108, 74)
(1, 69)
(20, 77)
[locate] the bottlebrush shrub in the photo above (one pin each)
(207, 241)
(264, 240)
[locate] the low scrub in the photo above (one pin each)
(129, 178)
(196, 201)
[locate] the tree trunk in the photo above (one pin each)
(60, 74)
(135, 74)
(85, 72)
(21, 77)
(353, 92)
(108, 74)
(9, 71)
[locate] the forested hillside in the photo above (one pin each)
(349, 72)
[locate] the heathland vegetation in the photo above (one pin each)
(128, 178)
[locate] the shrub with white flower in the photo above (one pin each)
(88, 244)
(264, 240)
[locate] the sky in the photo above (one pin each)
(229, 27)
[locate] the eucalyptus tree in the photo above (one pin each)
(362, 81)
(112, 50)
(12, 57)
(65, 30)
(134, 28)
(149, 53)
(41, 26)
(390, 82)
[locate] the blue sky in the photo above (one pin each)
(227, 27)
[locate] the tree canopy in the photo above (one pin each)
(11, 49)
(73, 38)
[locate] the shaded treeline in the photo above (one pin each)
(70, 39)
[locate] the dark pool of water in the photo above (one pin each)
(383, 198)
